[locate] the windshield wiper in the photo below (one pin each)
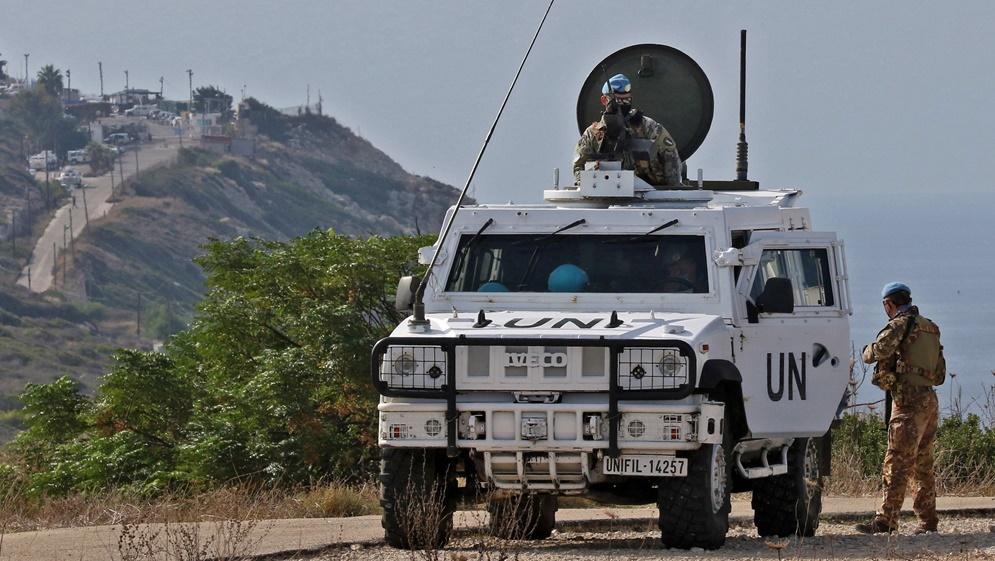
(541, 239)
(643, 237)
(662, 227)
(469, 245)
(539, 243)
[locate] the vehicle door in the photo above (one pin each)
(793, 349)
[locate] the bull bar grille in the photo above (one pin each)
(668, 371)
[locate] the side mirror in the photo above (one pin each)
(777, 298)
(405, 298)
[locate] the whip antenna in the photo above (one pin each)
(742, 149)
(419, 305)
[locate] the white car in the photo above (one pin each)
(70, 178)
(118, 138)
(77, 156)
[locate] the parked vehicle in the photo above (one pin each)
(77, 156)
(627, 342)
(118, 138)
(140, 111)
(43, 160)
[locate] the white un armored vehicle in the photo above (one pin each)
(556, 349)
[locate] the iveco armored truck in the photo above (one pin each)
(623, 342)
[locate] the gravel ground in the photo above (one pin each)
(958, 538)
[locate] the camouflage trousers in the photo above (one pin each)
(911, 433)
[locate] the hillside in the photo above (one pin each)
(132, 282)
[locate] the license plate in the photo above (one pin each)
(649, 466)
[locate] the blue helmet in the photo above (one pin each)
(619, 83)
(492, 286)
(568, 278)
(893, 287)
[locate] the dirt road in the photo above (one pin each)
(580, 533)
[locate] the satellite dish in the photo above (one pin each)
(667, 85)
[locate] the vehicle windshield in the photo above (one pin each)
(580, 263)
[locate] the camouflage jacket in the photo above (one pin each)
(888, 350)
(667, 171)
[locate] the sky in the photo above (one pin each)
(860, 104)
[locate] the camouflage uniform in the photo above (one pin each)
(912, 428)
(666, 171)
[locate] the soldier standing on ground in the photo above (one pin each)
(617, 96)
(910, 361)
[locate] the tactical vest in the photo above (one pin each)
(920, 358)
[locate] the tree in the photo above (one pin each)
(269, 384)
(211, 99)
(3, 74)
(38, 115)
(101, 157)
(50, 80)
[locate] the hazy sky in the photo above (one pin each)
(843, 96)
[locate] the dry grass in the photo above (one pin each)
(847, 479)
(228, 503)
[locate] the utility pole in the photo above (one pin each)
(65, 258)
(127, 97)
(69, 88)
(138, 319)
(190, 102)
(100, 66)
(72, 238)
(86, 212)
(26, 74)
(160, 87)
(136, 164)
(120, 167)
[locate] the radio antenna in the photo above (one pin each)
(742, 149)
(418, 307)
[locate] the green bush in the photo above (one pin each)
(964, 450)
(864, 437)
(268, 385)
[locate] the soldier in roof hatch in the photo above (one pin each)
(616, 96)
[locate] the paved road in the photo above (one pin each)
(91, 203)
(309, 536)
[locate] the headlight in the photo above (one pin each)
(671, 364)
(405, 365)
(420, 367)
(642, 368)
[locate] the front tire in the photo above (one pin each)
(694, 510)
(790, 504)
(523, 517)
(418, 491)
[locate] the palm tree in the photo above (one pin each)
(50, 79)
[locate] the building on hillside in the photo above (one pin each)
(134, 96)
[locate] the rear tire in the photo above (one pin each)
(790, 504)
(418, 491)
(523, 517)
(694, 510)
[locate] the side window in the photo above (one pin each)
(808, 270)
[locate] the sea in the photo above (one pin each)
(941, 245)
